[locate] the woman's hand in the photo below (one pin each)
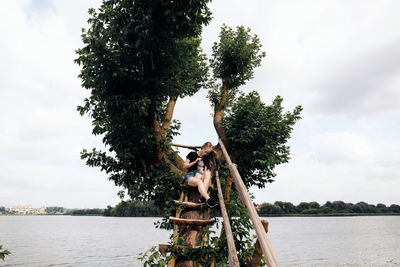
(187, 164)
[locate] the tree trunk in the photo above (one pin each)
(192, 234)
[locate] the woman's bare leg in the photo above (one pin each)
(206, 179)
(194, 182)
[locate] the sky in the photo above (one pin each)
(340, 60)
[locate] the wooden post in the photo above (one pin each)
(244, 196)
(255, 259)
(233, 258)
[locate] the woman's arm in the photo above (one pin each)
(187, 164)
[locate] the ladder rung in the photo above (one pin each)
(192, 205)
(191, 221)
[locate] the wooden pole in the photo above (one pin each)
(186, 146)
(255, 259)
(244, 196)
(233, 258)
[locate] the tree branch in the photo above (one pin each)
(219, 110)
(178, 161)
(174, 168)
(168, 115)
(161, 153)
(186, 146)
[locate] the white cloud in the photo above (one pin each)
(363, 86)
(341, 147)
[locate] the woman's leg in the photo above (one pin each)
(194, 182)
(206, 179)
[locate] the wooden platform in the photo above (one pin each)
(191, 221)
(192, 205)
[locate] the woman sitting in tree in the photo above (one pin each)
(198, 172)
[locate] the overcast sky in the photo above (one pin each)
(340, 60)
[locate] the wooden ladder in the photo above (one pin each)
(191, 222)
(185, 223)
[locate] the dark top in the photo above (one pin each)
(192, 156)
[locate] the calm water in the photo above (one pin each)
(105, 241)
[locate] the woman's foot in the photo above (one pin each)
(211, 203)
(202, 200)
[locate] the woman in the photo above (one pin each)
(198, 172)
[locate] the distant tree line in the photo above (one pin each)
(135, 208)
(89, 212)
(329, 208)
(54, 210)
(123, 209)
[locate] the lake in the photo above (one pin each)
(110, 241)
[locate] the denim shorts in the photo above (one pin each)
(189, 175)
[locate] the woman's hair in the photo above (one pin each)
(207, 145)
(211, 156)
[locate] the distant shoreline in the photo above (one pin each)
(134, 208)
(260, 215)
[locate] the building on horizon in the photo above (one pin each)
(26, 210)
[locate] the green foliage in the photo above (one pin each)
(314, 205)
(203, 254)
(329, 208)
(3, 252)
(153, 257)
(234, 57)
(241, 227)
(137, 55)
(268, 208)
(257, 132)
(86, 212)
(309, 211)
(395, 208)
(286, 207)
(133, 208)
(263, 130)
(303, 206)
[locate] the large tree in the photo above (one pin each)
(139, 58)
